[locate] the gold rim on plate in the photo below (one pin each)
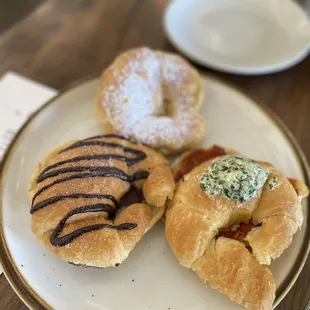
(34, 301)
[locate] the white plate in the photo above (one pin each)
(239, 36)
(43, 280)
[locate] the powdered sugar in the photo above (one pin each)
(180, 80)
(134, 97)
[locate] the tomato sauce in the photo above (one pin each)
(197, 157)
(239, 233)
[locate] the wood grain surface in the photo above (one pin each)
(12, 11)
(64, 40)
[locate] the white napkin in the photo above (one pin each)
(19, 97)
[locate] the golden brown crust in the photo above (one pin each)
(157, 191)
(160, 77)
(229, 267)
(103, 247)
(300, 188)
(194, 220)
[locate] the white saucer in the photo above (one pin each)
(240, 36)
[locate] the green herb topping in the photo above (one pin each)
(272, 183)
(233, 177)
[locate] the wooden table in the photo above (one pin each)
(64, 40)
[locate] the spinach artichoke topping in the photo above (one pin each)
(233, 177)
(272, 183)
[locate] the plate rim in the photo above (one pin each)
(299, 57)
(34, 301)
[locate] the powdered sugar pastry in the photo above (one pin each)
(153, 97)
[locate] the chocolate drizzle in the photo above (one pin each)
(103, 171)
(139, 155)
(86, 158)
(130, 161)
(64, 240)
(55, 199)
(82, 172)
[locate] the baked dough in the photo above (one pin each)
(196, 224)
(83, 209)
(153, 97)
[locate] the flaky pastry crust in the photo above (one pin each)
(72, 191)
(194, 222)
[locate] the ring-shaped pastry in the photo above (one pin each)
(153, 97)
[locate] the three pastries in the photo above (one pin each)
(227, 216)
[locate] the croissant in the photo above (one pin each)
(93, 200)
(229, 217)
